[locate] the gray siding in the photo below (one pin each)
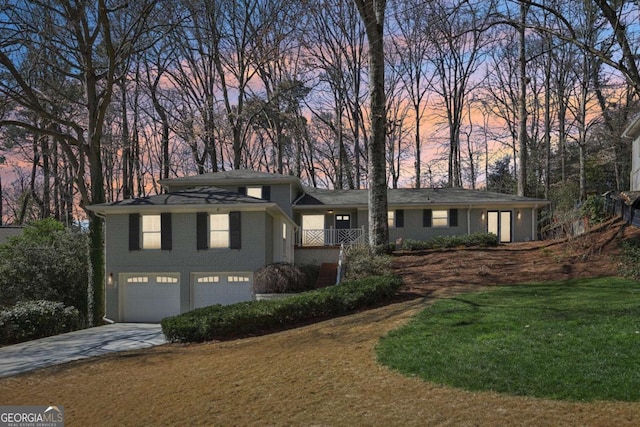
(184, 258)
(413, 227)
(281, 194)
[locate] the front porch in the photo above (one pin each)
(331, 237)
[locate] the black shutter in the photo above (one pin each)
(202, 231)
(242, 190)
(427, 215)
(453, 217)
(399, 218)
(235, 233)
(134, 232)
(266, 192)
(165, 231)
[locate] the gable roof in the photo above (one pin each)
(416, 197)
(198, 197)
(232, 177)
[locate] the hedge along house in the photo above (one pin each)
(200, 243)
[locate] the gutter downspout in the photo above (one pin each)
(105, 318)
(534, 223)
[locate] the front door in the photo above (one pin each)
(499, 223)
(343, 224)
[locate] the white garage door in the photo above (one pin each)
(150, 297)
(220, 288)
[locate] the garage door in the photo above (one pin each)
(220, 288)
(150, 297)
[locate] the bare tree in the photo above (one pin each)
(459, 37)
(82, 38)
(412, 48)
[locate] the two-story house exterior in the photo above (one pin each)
(200, 243)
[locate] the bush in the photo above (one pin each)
(253, 317)
(361, 262)
(446, 242)
(37, 319)
(47, 262)
(593, 209)
(280, 277)
(630, 258)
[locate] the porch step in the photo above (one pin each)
(327, 275)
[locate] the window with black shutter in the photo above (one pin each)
(165, 230)
(399, 218)
(453, 217)
(235, 234)
(427, 216)
(266, 192)
(202, 231)
(134, 232)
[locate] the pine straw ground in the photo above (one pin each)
(325, 374)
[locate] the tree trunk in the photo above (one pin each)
(522, 105)
(372, 13)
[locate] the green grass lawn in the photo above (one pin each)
(576, 340)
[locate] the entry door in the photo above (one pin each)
(343, 224)
(499, 223)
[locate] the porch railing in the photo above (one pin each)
(331, 237)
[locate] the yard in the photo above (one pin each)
(326, 373)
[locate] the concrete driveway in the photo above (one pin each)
(27, 356)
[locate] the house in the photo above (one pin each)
(633, 132)
(200, 243)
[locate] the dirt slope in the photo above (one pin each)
(445, 272)
(325, 374)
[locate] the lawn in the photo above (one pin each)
(575, 340)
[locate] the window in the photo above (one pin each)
(257, 191)
(151, 232)
(284, 231)
(254, 192)
(313, 233)
(208, 279)
(218, 230)
(395, 218)
(166, 279)
(139, 279)
(440, 218)
(237, 279)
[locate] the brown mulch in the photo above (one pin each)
(444, 272)
(326, 374)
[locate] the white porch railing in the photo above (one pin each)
(331, 237)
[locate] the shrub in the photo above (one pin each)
(253, 317)
(37, 319)
(279, 277)
(593, 209)
(630, 258)
(361, 262)
(47, 262)
(446, 242)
